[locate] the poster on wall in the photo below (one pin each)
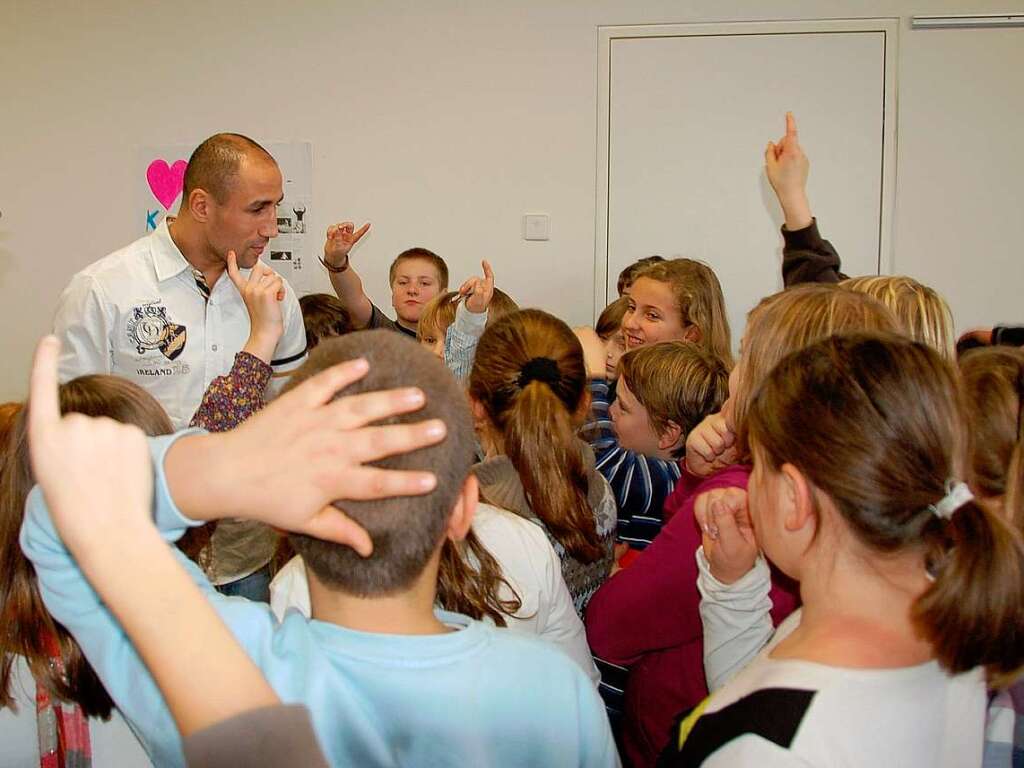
(162, 176)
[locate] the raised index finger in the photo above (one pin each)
(488, 272)
(790, 125)
(43, 398)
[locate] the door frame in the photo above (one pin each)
(607, 35)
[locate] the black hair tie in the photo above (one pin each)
(539, 369)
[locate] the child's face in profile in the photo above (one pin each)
(615, 347)
(652, 314)
(433, 339)
(632, 425)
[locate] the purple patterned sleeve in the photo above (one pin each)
(231, 399)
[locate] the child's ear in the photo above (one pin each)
(461, 518)
(801, 515)
(692, 334)
(670, 437)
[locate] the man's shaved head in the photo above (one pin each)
(214, 165)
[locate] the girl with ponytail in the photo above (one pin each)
(912, 591)
(528, 388)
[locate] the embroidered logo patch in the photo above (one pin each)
(149, 328)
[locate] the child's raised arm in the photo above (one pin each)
(806, 256)
(346, 283)
(98, 483)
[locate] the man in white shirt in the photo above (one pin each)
(158, 311)
(162, 313)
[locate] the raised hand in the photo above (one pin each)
(340, 240)
(728, 534)
(711, 446)
(262, 293)
(286, 464)
(95, 473)
(478, 291)
(787, 168)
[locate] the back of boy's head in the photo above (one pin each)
(629, 274)
(427, 255)
(610, 320)
(405, 530)
(324, 316)
(922, 312)
(701, 303)
(675, 381)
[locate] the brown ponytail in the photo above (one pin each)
(530, 378)
(878, 424)
(469, 582)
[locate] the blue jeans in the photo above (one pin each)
(255, 586)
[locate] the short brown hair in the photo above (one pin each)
(324, 316)
(405, 530)
(675, 381)
(27, 626)
(793, 319)
(876, 422)
(610, 320)
(993, 378)
(426, 255)
(699, 299)
(922, 312)
(215, 163)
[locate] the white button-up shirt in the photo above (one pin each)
(138, 313)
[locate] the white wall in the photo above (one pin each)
(443, 122)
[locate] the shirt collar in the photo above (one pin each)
(168, 261)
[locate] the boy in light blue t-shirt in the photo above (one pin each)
(388, 679)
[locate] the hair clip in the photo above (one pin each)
(957, 494)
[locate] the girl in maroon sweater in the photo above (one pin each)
(647, 616)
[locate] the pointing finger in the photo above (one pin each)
(44, 401)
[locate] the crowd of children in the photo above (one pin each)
(492, 539)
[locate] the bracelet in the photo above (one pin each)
(335, 270)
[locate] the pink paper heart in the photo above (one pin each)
(166, 182)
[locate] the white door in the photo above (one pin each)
(686, 113)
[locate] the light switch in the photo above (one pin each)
(536, 226)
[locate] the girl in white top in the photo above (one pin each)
(913, 594)
(531, 575)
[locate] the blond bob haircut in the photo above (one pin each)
(791, 320)
(675, 382)
(439, 312)
(921, 311)
(698, 296)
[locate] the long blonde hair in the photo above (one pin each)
(698, 295)
(791, 320)
(530, 378)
